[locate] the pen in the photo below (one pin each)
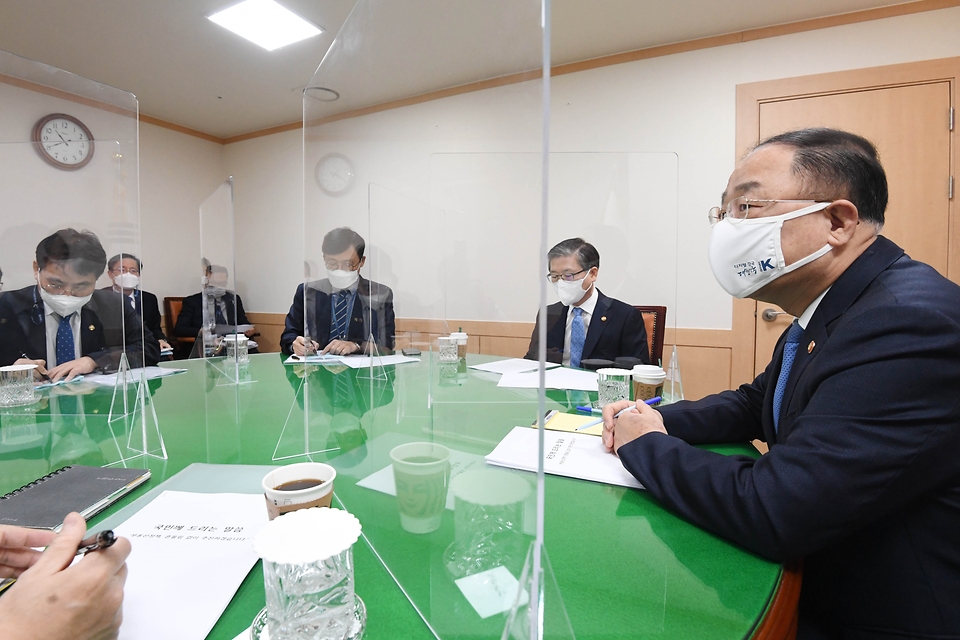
(43, 376)
(593, 423)
(589, 410)
(100, 540)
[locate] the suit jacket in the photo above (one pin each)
(863, 476)
(106, 324)
(616, 331)
(190, 319)
(149, 309)
(373, 301)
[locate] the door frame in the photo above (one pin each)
(749, 98)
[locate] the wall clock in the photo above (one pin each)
(63, 141)
(335, 174)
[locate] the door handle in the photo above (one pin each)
(770, 315)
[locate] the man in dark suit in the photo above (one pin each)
(859, 406)
(63, 324)
(585, 323)
(227, 306)
(344, 309)
(124, 271)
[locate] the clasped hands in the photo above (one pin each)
(336, 347)
(631, 425)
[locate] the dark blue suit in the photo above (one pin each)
(106, 325)
(372, 313)
(862, 479)
(616, 330)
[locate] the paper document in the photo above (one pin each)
(227, 329)
(61, 381)
(570, 422)
(362, 362)
(559, 378)
(511, 365)
(191, 551)
(574, 455)
(315, 359)
(133, 375)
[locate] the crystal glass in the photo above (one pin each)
(448, 349)
(613, 385)
(16, 385)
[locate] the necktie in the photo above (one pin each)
(65, 350)
(789, 353)
(218, 312)
(340, 314)
(578, 335)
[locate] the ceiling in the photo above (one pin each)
(188, 71)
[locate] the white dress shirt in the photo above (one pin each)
(587, 308)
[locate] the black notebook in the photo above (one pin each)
(44, 503)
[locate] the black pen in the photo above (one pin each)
(43, 376)
(100, 540)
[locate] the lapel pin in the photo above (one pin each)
(603, 318)
(811, 346)
(91, 327)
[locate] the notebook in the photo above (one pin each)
(557, 421)
(44, 503)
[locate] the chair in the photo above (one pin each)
(653, 321)
(171, 309)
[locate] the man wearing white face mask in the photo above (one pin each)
(62, 323)
(124, 271)
(585, 323)
(344, 310)
(859, 405)
(227, 305)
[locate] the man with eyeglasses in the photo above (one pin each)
(344, 310)
(860, 405)
(227, 306)
(585, 323)
(63, 324)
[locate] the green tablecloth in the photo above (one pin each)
(623, 565)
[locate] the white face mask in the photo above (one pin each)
(570, 292)
(216, 292)
(63, 305)
(340, 279)
(746, 255)
(127, 281)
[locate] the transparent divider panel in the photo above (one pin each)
(424, 273)
(76, 167)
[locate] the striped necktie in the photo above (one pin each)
(789, 353)
(340, 314)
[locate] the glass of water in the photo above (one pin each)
(613, 385)
(16, 385)
(448, 349)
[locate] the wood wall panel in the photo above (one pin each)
(270, 326)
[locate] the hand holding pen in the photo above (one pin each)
(41, 366)
(625, 421)
(593, 423)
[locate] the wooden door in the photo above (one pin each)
(909, 124)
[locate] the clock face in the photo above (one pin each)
(335, 174)
(63, 141)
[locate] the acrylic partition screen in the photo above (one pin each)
(404, 417)
(69, 161)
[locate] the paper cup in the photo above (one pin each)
(648, 381)
(422, 474)
(280, 501)
(461, 339)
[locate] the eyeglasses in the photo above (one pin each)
(135, 271)
(566, 277)
(738, 209)
(78, 290)
(346, 265)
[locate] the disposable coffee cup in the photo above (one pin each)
(421, 471)
(298, 486)
(461, 339)
(648, 381)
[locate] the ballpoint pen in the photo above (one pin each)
(594, 423)
(100, 540)
(43, 376)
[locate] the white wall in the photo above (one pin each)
(684, 104)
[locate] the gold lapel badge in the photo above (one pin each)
(603, 318)
(811, 346)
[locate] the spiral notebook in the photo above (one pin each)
(44, 503)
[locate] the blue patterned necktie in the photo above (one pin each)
(340, 314)
(578, 335)
(65, 348)
(789, 353)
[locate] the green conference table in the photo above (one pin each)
(624, 566)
